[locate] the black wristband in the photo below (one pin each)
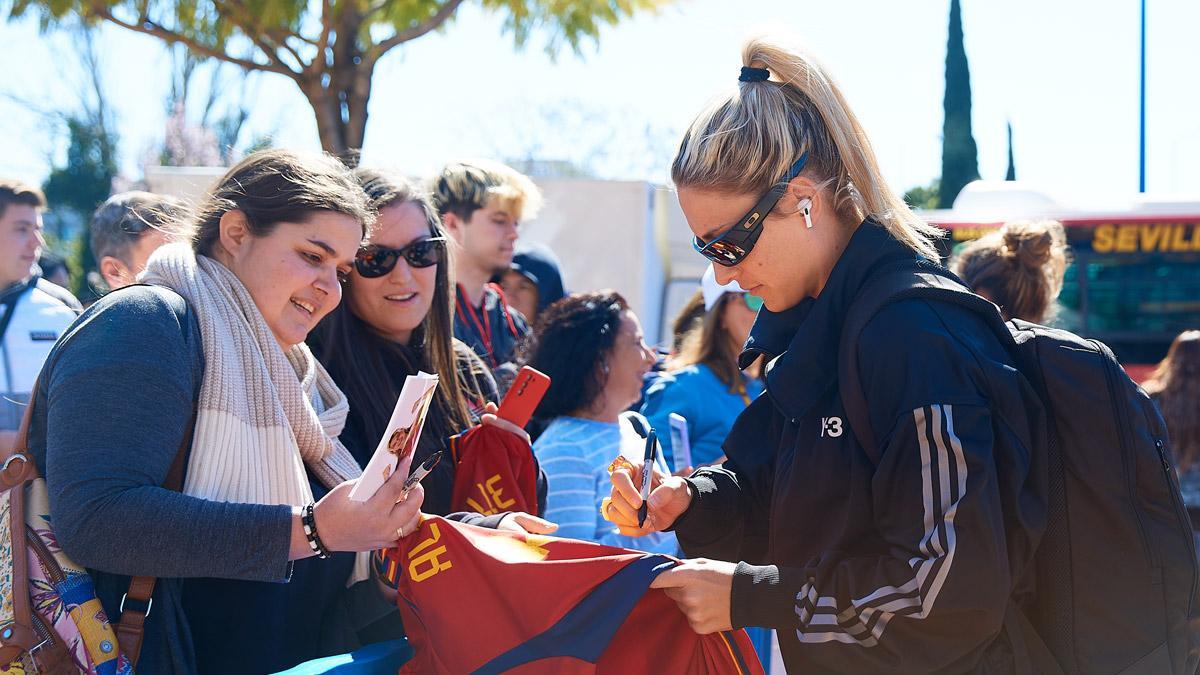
(310, 531)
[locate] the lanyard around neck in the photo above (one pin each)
(483, 326)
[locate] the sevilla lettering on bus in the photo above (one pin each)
(1147, 238)
(971, 233)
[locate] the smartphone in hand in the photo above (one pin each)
(524, 396)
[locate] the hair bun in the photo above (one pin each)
(1030, 243)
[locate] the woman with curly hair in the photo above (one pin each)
(591, 345)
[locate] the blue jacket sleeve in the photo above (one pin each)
(119, 396)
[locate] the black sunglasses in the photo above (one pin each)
(375, 261)
(731, 248)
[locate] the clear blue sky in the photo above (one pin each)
(1065, 72)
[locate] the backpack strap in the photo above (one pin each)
(921, 279)
(895, 282)
(17, 470)
(131, 627)
(10, 307)
(139, 599)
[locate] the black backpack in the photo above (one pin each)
(1115, 574)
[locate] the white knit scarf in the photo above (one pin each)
(265, 412)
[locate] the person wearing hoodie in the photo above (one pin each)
(533, 281)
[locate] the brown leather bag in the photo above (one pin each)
(29, 634)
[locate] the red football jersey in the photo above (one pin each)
(475, 600)
(494, 472)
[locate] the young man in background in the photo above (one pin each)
(126, 229)
(33, 311)
(481, 204)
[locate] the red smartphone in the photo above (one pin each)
(523, 396)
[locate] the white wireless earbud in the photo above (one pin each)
(806, 209)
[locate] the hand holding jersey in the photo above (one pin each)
(702, 588)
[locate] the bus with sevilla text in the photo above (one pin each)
(1134, 277)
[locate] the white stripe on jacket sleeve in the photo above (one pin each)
(864, 620)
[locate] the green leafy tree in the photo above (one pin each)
(960, 162)
(328, 48)
(86, 178)
(79, 186)
(923, 196)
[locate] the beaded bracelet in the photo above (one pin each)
(310, 531)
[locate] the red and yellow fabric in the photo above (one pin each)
(494, 472)
(475, 600)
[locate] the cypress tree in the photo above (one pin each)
(960, 163)
(1011, 174)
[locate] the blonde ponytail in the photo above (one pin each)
(746, 141)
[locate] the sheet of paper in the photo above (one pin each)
(395, 450)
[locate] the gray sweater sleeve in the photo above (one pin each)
(120, 393)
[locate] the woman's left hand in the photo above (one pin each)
(489, 418)
(526, 523)
(703, 589)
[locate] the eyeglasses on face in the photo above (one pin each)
(375, 261)
(735, 244)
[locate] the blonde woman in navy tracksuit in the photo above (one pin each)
(904, 564)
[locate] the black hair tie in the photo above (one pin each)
(754, 74)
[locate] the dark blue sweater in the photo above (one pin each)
(116, 395)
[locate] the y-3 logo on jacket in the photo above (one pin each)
(831, 427)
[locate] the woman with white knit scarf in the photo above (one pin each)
(220, 336)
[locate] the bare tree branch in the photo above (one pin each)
(148, 27)
(321, 62)
(281, 40)
(91, 62)
(445, 12)
(215, 90)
